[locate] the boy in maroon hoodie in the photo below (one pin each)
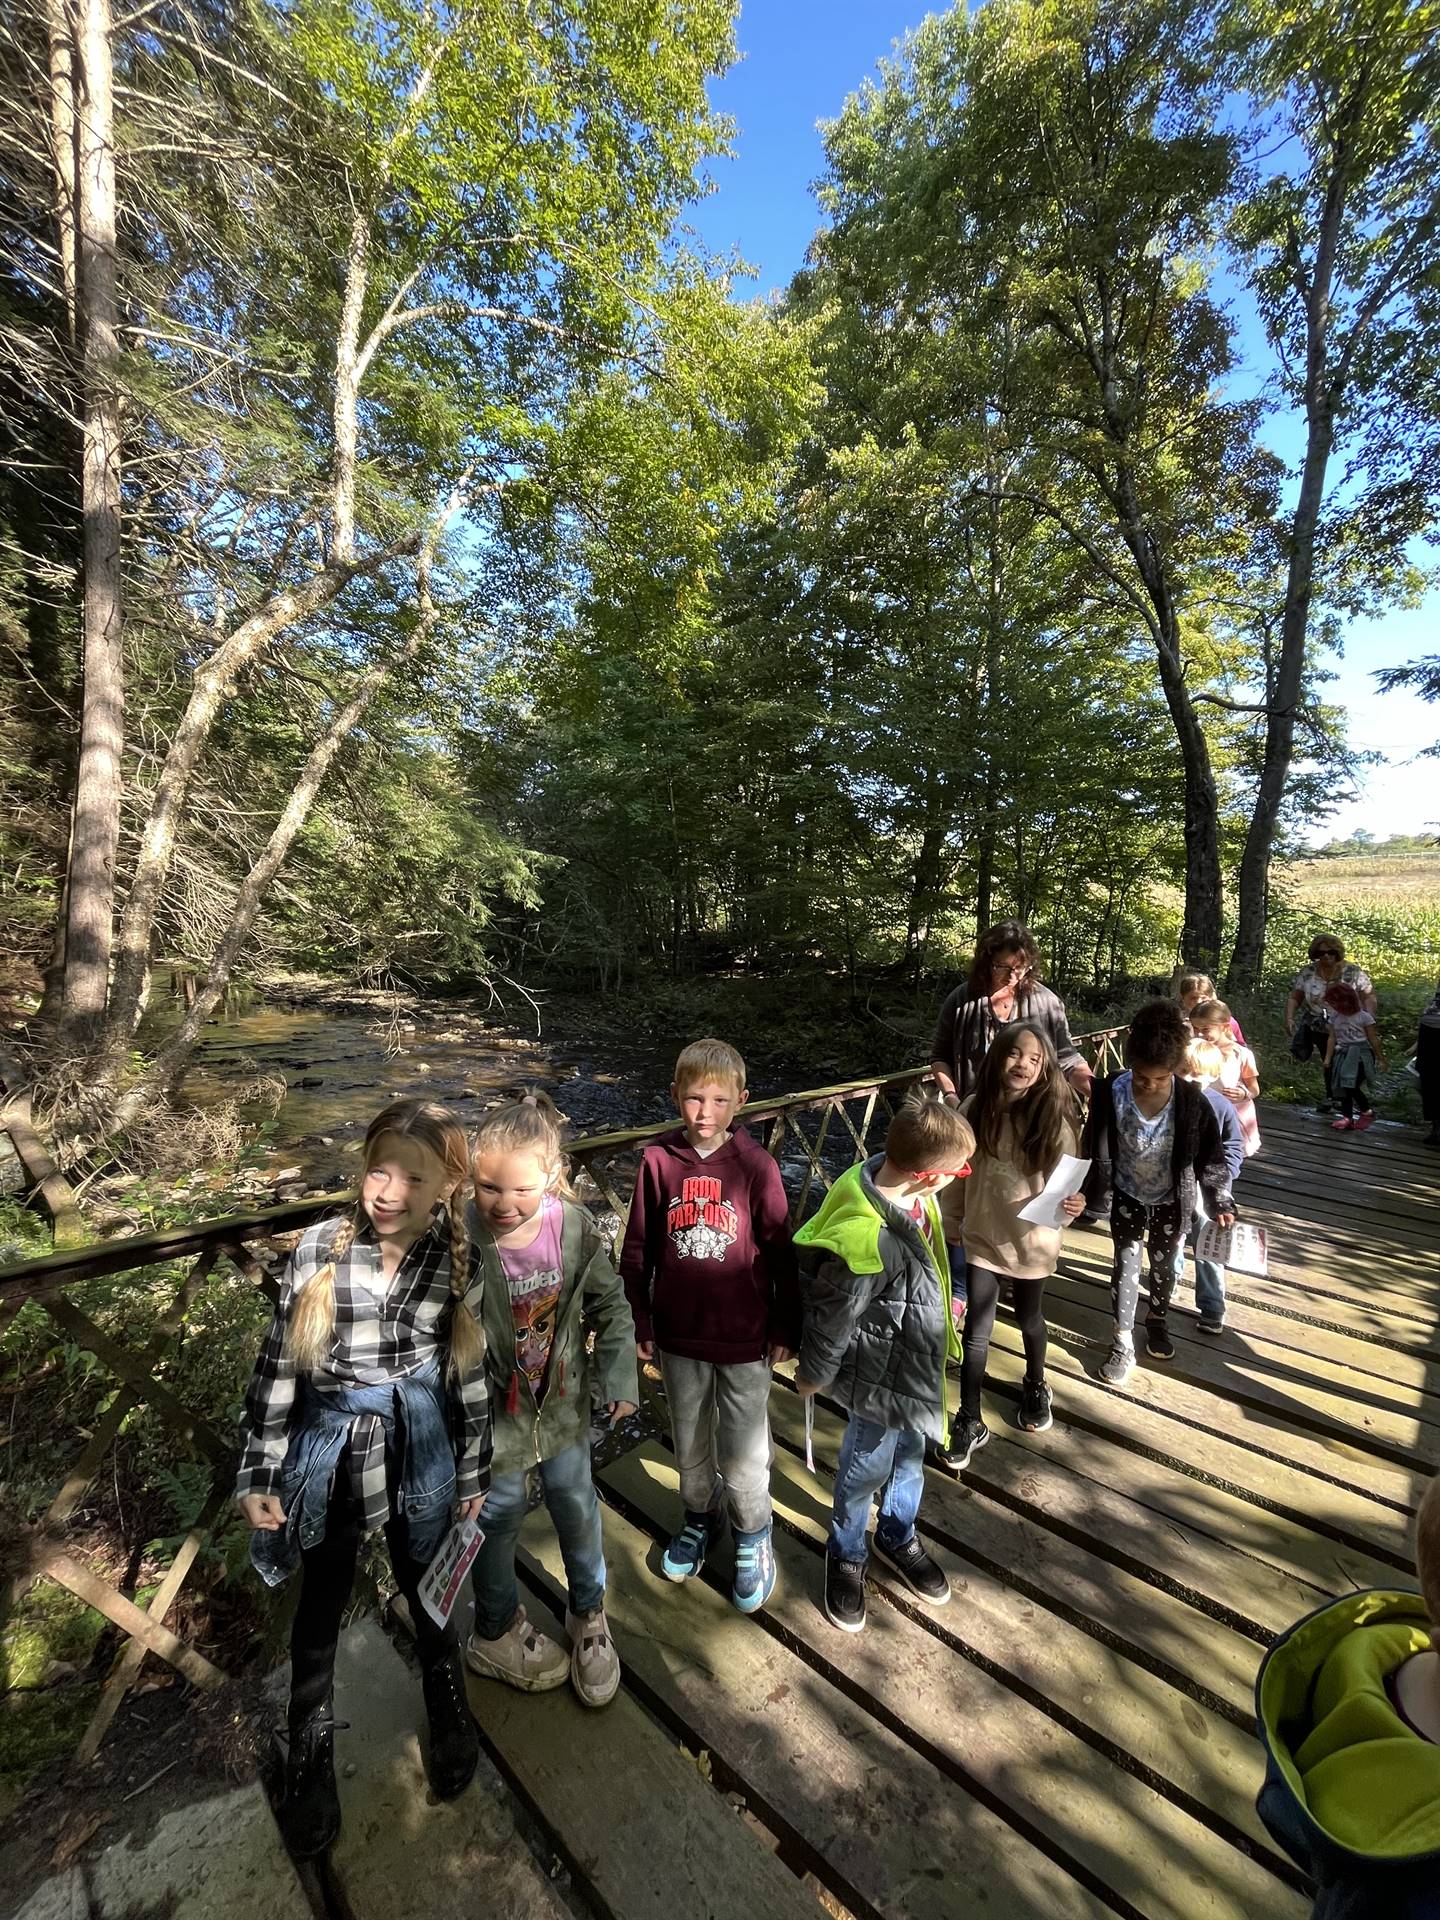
(709, 1272)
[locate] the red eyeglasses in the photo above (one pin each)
(943, 1173)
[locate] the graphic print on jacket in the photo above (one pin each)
(701, 1222)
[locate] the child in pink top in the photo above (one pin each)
(1352, 1049)
(1239, 1081)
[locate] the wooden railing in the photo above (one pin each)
(812, 1134)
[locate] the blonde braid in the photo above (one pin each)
(467, 1336)
(312, 1323)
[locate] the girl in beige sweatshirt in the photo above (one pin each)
(1024, 1116)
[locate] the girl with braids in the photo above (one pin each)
(546, 1282)
(374, 1360)
(1024, 1117)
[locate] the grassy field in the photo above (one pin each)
(1387, 913)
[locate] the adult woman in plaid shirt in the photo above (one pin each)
(368, 1408)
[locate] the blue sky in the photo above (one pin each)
(801, 59)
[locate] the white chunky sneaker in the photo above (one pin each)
(594, 1663)
(522, 1657)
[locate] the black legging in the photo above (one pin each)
(984, 1290)
(326, 1579)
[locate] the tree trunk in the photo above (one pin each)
(214, 680)
(62, 141)
(95, 820)
(1282, 698)
(1204, 891)
(1283, 686)
(1204, 894)
(211, 687)
(169, 1065)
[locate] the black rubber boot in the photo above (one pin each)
(310, 1814)
(454, 1741)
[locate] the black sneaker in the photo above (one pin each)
(1158, 1343)
(454, 1740)
(1034, 1414)
(915, 1567)
(845, 1593)
(309, 1816)
(1212, 1323)
(966, 1438)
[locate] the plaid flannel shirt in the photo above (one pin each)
(383, 1331)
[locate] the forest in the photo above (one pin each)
(419, 563)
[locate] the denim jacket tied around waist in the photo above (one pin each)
(419, 1461)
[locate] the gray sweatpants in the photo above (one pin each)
(720, 1417)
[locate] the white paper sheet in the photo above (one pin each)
(445, 1576)
(1045, 1209)
(1242, 1248)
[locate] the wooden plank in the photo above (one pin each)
(1256, 1598)
(1295, 1304)
(126, 1670)
(402, 1854)
(1303, 1292)
(109, 1424)
(1177, 1498)
(1136, 1618)
(958, 1714)
(1300, 1122)
(649, 1838)
(1391, 1217)
(1395, 1446)
(33, 1279)
(130, 1619)
(1346, 1275)
(1348, 1362)
(44, 1176)
(875, 1819)
(131, 1369)
(1167, 1731)
(1229, 1444)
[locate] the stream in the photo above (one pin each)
(340, 1066)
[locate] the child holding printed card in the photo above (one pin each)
(1025, 1118)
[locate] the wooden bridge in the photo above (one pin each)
(1073, 1734)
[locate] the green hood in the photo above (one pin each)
(849, 1223)
(1367, 1780)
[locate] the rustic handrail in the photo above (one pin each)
(33, 1279)
(236, 1239)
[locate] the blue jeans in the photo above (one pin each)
(1209, 1277)
(569, 1493)
(883, 1460)
(959, 1287)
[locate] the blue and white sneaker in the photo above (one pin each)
(685, 1555)
(754, 1569)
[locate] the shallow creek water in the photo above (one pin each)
(340, 1067)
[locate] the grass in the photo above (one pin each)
(1386, 912)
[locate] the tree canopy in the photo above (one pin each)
(416, 558)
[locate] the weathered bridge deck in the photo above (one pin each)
(1072, 1735)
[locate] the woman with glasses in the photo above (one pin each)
(1306, 1020)
(1004, 985)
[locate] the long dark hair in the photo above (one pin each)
(1004, 937)
(1040, 1118)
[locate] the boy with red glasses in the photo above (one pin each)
(878, 1330)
